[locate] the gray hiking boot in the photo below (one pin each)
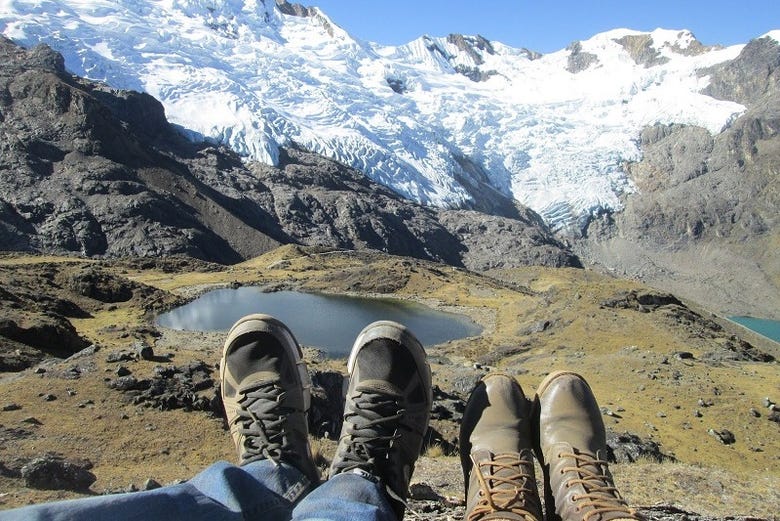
(266, 391)
(387, 409)
(496, 453)
(572, 450)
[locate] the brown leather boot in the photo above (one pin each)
(572, 449)
(496, 453)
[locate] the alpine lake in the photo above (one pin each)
(327, 322)
(764, 327)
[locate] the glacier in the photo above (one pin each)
(431, 119)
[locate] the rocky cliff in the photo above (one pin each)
(704, 222)
(95, 171)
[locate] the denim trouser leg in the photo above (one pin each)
(259, 490)
(345, 497)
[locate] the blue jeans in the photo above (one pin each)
(260, 490)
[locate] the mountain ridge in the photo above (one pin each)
(259, 76)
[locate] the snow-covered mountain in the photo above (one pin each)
(433, 119)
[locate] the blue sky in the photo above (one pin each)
(549, 26)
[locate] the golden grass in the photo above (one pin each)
(706, 490)
(434, 450)
(621, 352)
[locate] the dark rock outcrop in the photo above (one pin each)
(52, 334)
(725, 436)
(53, 472)
(724, 346)
(644, 301)
(190, 387)
(754, 74)
(629, 448)
(674, 513)
(579, 60)
(641, 48)
(100, 285)
(474, 46)
(37, 303)
(286, 7)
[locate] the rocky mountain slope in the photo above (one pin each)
(91, 170)
(704, 220)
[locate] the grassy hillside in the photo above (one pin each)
(535, 320)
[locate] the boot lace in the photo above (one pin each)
(505, 484)
(375, 421)
(261, 419)
(600, 492)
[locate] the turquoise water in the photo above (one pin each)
(762, 326)
(328, 322)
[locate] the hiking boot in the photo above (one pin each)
(266, 391)
(496, 453)
(387, 409)
(572, 449)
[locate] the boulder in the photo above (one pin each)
(53, 472)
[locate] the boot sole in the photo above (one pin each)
(400, 334)
(259, 322)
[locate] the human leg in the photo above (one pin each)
(344, 497)
(266, 392)
(386, 415)
(496, 453)
(572, 449)
(220, 492)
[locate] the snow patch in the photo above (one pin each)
(774, 35)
